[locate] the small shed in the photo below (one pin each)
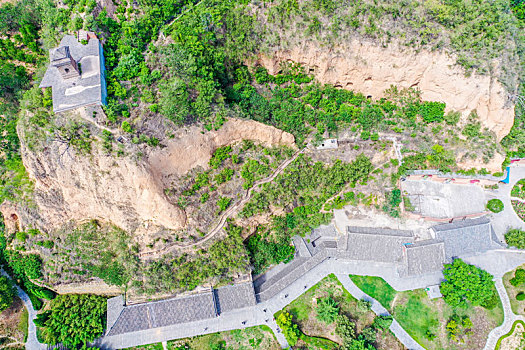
(328, 144)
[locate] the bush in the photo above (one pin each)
(220, 155)
(290, 330)
(432, 112)
(520, 296)
(223, 203)
(382, 322)
(327, 310)
(495, 205)
(515, 238)
(21, 236)
(519, 278)
(452, 118)
(345, 328)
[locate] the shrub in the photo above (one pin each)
(382, 322)
(345, 328)
(519, 278)
(223, 203)
(21, 236)
(220, 155)
(126, 127)
(290, 330)
(515, 238)
(520, 296)
(432, 112)
(452, 117)
(495, 205)
(327, 310)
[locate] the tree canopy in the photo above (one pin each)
(466, 283)
(73, 320)
(7, 293)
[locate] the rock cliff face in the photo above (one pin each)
(192, 148)
(126, 191)
(371, 69)
(119, 190)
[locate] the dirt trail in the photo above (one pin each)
(227, 214)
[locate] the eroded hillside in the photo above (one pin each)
(209, 155)
(364, 66)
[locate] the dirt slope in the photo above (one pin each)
(368, 68)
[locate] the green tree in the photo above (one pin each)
(327, 310)
(466, 283)
(7, 292)
(73, 320)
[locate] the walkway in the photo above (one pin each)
(378, 309)
(509, 317)
(262, 313)
(227, 214)
(507, 219)
(32, 342)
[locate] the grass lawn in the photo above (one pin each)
(23, 325)
(377, 287)
(518, 307)
(419, 315)
(259, 337)
(322, 336)
(156, 346)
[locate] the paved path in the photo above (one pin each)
(378, 309)
(509, 317)
(32, 342)
(227, 213)
(507, 219)
(262, 313)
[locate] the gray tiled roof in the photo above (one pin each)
(164, 313)
(115, 306)
(466, 237)
(235, 296)
(301, 247)
(425, 257)
(87, 89)
(379, 231)
(376, 244)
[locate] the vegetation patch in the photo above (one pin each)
(259, 337)
(514, 282)
(432, 322)
(326, 316)
(515, 332)
(495, 205)
(73, 320)
(519, 208)
(515, 238)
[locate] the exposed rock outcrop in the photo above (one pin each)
(127, 191)
(119, 190)
(192, 148)
(371, 69)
